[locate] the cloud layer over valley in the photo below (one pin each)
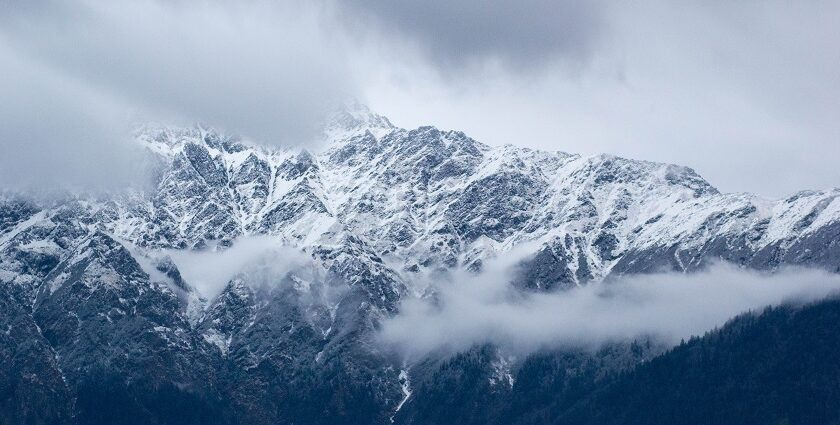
(461, 309)
(468, 310)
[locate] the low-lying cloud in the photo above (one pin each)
(257, 260)
(468, 309)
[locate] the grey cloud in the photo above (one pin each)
(56, 131)
(76, 75)
(518, 34)
(264, 69)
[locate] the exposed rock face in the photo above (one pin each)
(88, 301)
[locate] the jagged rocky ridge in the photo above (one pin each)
(98, 318)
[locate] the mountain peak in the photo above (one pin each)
(354, 116)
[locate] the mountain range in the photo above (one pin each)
(102, 325)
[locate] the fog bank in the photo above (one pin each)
(256, 259)
(476, 309)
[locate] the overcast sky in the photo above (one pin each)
(747, 93)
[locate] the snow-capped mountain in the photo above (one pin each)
(428, 199)
(89, 295)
